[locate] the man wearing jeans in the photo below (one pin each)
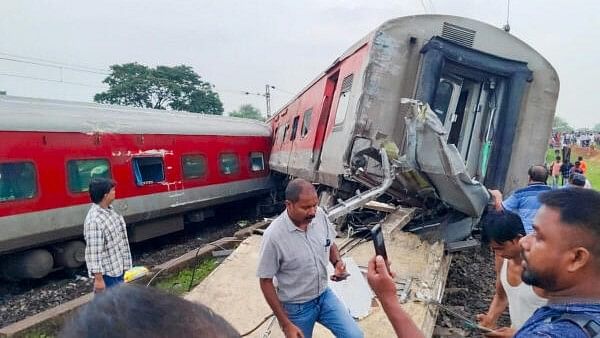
(295, 251)
(107, 253)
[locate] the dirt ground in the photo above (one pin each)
(469, 291)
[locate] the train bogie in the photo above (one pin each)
(167, 165)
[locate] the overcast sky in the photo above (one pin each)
(242, 45)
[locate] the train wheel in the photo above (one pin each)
(32, 264)
(70, 255)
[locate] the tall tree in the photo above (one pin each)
(163, 87)
(597, 127)
(561, 124)
(248, 111)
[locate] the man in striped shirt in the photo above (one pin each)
(107, 252)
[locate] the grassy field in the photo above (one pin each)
(591, 157)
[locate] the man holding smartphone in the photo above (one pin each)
(561, 257)
(295, 251)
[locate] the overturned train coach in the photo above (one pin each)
(169, 166)
(457, 104)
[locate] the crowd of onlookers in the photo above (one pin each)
(581, 139)
(565, 173)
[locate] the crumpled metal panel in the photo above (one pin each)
(441, 162)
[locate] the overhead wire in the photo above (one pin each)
(52, 63)
(423, 5)
(86, 69)
(50, 80)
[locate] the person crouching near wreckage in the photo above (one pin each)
(295, 250)
(502, 231)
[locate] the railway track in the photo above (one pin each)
(19, 300)
(60, 288)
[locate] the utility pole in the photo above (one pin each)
(268, 88)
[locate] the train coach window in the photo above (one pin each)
(148, 170)
(294, 128)
(284, 131)
(229, 164)
(344, 100)
(275, 134)
(80, 172)
(306, 122)
(194, 166)
(441, 102)
(257, 161)
(17, 181)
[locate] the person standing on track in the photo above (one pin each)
(107, 252)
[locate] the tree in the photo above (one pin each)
(561, 124)
(597, 128)
(247, 111)
(163, 87)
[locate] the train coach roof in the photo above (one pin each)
(28, 114)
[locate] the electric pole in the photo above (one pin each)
(268, 88)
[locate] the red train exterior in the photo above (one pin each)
(456, 104)
(167, 166)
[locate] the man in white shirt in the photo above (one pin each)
(502, 232)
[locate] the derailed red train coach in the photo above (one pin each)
(168, 166)
(458, 105)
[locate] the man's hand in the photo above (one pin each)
(340, 271)
(496, 199)
(502, 332)
(486, 321)
(99, 285)
(292, 331)
(380, 279)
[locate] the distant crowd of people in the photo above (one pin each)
(547, 268)
(564, 173)
(581, 139)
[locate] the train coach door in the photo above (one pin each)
(490, 101)
(323, 120)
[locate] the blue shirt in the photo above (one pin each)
(539, 325)
(525, 203)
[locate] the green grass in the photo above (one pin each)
(179, 283)
(593, 165)
(38, 334)
(592, 158)
(550, 155)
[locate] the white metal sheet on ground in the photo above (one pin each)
(354, 292)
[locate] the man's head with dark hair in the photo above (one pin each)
(135, 311)
(580, 158)
(296, 187)
(538, 173)
(99, 188)
(562, 256)
(577, 180)
(557, 158)
(502, 230)
(301, 202)
(577, 164)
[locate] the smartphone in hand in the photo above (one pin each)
(378, 242)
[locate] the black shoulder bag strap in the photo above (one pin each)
(589, 324)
